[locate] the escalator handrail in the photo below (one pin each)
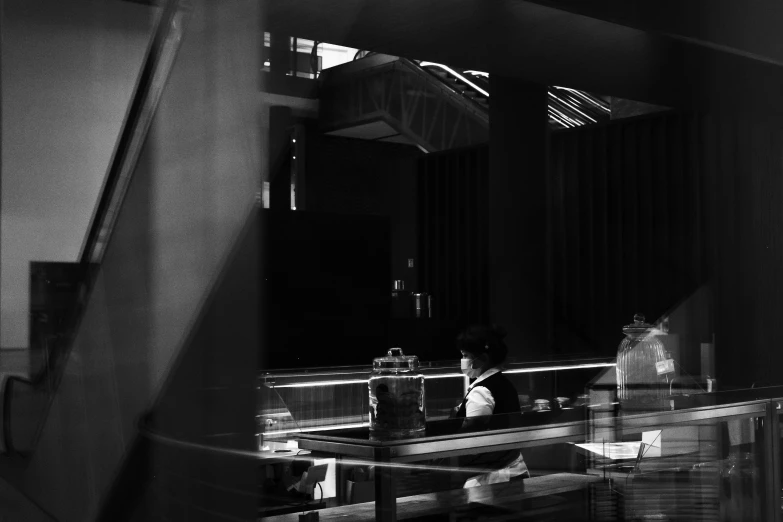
(454, 95)
(154, 73)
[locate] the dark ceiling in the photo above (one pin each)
(699, 54)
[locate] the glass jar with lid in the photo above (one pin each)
(396, 389)
(639, 384)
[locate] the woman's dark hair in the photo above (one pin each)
(479, 339)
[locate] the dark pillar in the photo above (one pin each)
(280, 157)
(279, 54)
(518, 214)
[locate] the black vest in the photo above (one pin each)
(506, 414)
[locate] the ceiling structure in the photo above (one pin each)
(373, 131)
(700, 54)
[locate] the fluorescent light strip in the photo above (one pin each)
(574, 107)
(354, 381)
(582, 95)
(444, 375)
(318, 428)
(318, 383)
(566, 118)
(554, 368)
(441, 376)
(559, 120)
(455, 73)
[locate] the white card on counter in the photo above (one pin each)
(666, 366)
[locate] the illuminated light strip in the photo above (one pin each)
(455, 73)
(318, 428)
(553, 368)
(575, 107)
(318, 383)
(353, 381)
(572, 106)
(478, 73)
(553, 110)
(584, 96)
(567, 118)
(567, 107)
(590, 100)
(445, 375)
(559, 120)
(573, 102)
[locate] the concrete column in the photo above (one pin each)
(519, 297)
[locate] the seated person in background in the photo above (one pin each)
(491, 403)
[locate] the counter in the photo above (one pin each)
(718, 426)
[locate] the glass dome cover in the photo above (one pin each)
(639, 385)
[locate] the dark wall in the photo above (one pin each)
(326, 297)
(742, 161)
(689, 199)
(361, 177)
(365, 178)
(626, 217)
(627, 226)
(453, 225)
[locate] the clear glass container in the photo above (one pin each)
(638, 381)
(396, 396)
(541, 405)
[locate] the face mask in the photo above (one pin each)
(466, 365)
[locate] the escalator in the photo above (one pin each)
(164, 303)
(568, 108)
(430, 105)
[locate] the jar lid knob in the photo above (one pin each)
(395, 352)
(638, 318)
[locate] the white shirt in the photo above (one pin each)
(480, 401)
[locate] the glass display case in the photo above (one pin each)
(317, 399)
(705, 456)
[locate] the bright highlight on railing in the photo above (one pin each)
(455, 74)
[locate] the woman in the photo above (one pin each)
(491, 402)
